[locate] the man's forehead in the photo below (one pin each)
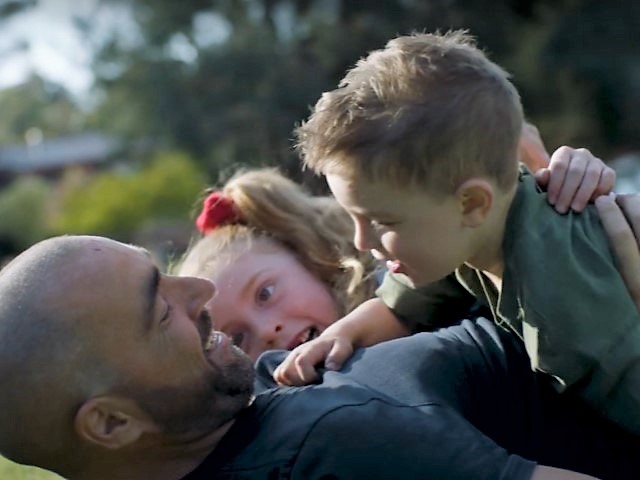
(108, 261)
(102, 244)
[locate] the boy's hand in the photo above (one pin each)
(574, 177)
(299, 368)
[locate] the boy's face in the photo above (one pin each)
(417, 234)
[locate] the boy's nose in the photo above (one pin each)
(363, 238)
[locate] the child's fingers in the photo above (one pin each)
(299, 366)
(305, 367)
(296, 372)
(340, 352)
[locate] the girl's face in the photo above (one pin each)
(265, 299)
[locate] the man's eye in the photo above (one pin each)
(167, 314)
(237, 339)
(265, 293)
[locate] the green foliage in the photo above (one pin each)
(227, 81)
(37, 104)
(12, 471)
(23, 212)
(237, 99)
(119, 203)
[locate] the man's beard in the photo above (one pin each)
(201, 407)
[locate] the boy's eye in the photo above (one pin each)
(381, 224)
(265, 293)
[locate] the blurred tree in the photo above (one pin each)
(37, 104)
(596, 46)
(9, 8)
(228, 80)
(118, 204)
(23, 206)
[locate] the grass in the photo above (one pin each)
(13, 471)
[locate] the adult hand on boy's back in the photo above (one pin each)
(574, 177)
(533, 152)
(620, 216)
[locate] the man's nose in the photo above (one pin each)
(197, 292)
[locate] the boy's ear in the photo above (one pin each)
(476, 198)
(112, 422)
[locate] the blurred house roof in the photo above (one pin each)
(58, 153)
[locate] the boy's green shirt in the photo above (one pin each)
(562, 295)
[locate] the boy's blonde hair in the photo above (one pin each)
(315, 229)
(428, 109)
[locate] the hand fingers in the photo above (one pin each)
(606, 183)
(339, 353)
(622, 239)
(586, 190)
(299, 366)
(542, 177)
(558, 166)
(577, 177)
(574, 177)
(630, 205)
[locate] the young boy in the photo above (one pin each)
(419, 145)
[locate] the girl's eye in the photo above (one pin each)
(237, 339)
(265, 293)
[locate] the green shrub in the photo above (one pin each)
(118, 204)
(23, 212)
(12, 471)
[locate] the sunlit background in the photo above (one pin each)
(117, 114)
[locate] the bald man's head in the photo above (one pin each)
(102, 357)
(47, 367)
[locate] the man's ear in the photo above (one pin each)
(112, 422)
(476, 197)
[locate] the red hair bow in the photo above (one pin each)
(216, 210)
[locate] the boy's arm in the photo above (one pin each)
(370, 323)
(439, 304)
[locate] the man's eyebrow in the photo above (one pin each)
(150, 293)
